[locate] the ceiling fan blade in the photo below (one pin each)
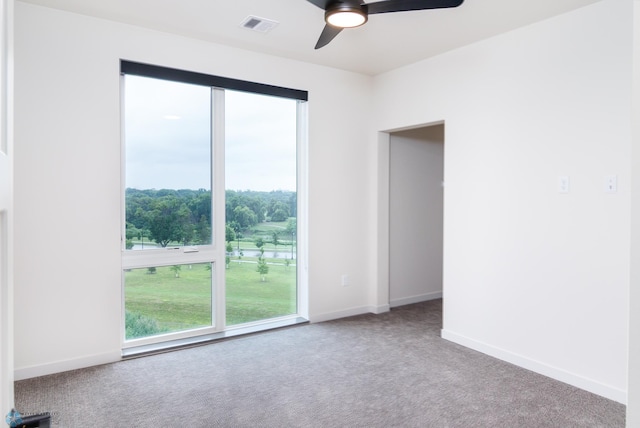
(322, 4)
(406, 5)
(328, 34)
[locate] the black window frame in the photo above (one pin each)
(184, 76)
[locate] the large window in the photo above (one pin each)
(261, 206)
(210, 218)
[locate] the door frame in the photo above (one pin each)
(381, 298)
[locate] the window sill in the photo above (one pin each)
(231, 332)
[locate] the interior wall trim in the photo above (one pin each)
(561, 375)
(66, 365)
(328, 316)
(416, 299)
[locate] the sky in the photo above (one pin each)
(167, 138)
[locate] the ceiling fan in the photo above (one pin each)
(340, 14)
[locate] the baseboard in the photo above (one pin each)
(415, 299)
(561, 375)
(29, 372)
(381, 309)
(328, 316)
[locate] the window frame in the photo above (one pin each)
(202, 79)
(214, 253)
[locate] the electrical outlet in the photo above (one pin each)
(344, 280)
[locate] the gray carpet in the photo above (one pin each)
(389, 370)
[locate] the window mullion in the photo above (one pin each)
(302, 240)
(218, 208)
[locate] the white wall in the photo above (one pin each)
(633, 402)
(416, 215)
(532, 276)
(6, 206)
(68, 186)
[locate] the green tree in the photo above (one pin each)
(143, 233)
(187, 230)
(278, 211)
(176, 270)
(199, 203)
(260, 243)
(291, 229)
(262, 268)
(131, 231)
(257, 205)
(280, 215)
(244, 217)
(229, 233)
(237, 232)
(188, 210)
(167, 221)
(292, 226)
(274, 239)
(203, 231)
(227, 259)
(293, 204)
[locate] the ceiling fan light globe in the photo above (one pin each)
(345, 18)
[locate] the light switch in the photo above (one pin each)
(611, 184)
(563, 184)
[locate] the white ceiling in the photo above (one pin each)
(386, 42)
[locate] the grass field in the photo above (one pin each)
(250, 299)
(161, 302)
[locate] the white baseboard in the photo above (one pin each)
(561, 375)
(328, 316)
(22, 373)
(379, 309)
(416, 299)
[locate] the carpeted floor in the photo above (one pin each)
(389, 370)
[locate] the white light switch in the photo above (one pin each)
(563, 184)
(344, 280)
(611, 184)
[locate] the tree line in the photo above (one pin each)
(184, 216)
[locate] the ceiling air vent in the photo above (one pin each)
(261, 25)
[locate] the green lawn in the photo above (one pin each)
(250, 299)
(161, 302)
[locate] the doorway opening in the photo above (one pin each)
(416, 214)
